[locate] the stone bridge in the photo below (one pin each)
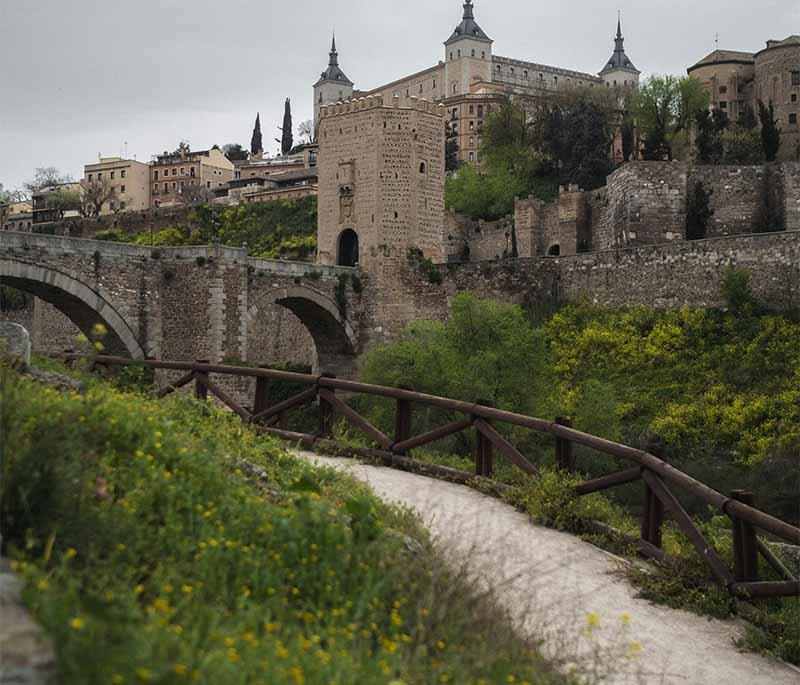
(211, 303)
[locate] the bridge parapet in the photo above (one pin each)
(300, 269)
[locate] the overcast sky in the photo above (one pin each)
(82, 77)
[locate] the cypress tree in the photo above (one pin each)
(256, 144)
(286, 139)
(770, 133)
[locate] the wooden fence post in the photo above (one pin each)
(565, 459)
(652, 517)
(261, 399)
(326, 412)
(402, 419)
(745, 542)
(200, 388)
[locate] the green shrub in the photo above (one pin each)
(152, 553)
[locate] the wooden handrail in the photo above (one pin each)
(649, 463)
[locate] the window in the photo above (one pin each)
(471, 141)
(166, 187)
(472, 109)
(422, 167)
(122, 189)
(420, 87)
(458, 52)
(99, 175)
(155, 175)
(406, 92)
(122, 174)
(555, 80)
(155, 189)
(455, 85)
(723, 90)
(793, 119)
(525, 73)
(480, 110)
(111, 205)
(174, 185)
(796, 78)
(473, 52)
(723, 104)
(112, 174)
(483, 54)
(90, 177)
(183, 171)
(512, 70)
(174, 171)
(471, 156)
(497, 68)
(191, 172)
(541, 77)
(122, 205)
(181, 185)
(471, 125)
(794, 97)
(434, 84)
(208, 184)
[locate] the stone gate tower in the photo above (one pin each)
(381, 183)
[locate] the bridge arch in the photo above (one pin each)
(82, 304)
(334, 337)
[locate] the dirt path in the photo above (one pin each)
(550, 581)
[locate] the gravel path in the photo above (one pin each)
(551, 581)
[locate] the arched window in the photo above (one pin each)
(554, 251)
(422, 167)
(348, 248)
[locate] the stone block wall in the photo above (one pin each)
(790, 176)
(736, 194)
(478, 240)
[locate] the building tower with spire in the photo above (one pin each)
(332, 85)
(619, 71)
(467, 55)
(256, 143)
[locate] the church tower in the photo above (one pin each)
(619, 72)
(333, 85)
(467, 55)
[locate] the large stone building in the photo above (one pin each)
(472, 79)
(738, 80)
(129, 179)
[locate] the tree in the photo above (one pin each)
(62, 200)
(698, 212)
(451, 161)
(628, 133)
(286, 140)
(45, 177)
(5, 195)
(305, 130)
(742, 146)
(577, 137)
(770, 131)
(662, 108)
(195, 195)
(94, 194)
(710, 127)
(747, 118)
(256, 143)
(234, 152)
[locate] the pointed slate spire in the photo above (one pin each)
(256, 143)
(468, 27)
(333, 72)
(619, 60)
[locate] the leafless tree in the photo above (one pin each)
(44, 177)
(94, 194)
(195, 195)
(305, 130)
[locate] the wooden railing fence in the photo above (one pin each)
(659, 478)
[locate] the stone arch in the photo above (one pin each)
(554, 250)
(335, 339)
(82, 304)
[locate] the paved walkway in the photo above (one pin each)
(551, 581)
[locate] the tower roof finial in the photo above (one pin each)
(619, 24)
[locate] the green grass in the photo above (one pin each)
(150, 555)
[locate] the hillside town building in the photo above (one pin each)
(472, 79)
(173, 172)
(129, 180)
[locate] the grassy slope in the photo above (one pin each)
(151, 557)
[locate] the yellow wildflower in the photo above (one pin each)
(76, 623)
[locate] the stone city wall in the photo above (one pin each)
(735, 197)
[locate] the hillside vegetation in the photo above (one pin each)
(152, 552)
(270, 230)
